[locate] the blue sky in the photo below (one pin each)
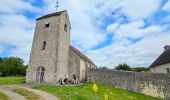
(109, 32)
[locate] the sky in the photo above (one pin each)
(109, 32)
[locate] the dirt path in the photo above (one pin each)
(12, 95)
(6, 89)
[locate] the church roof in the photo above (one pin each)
(81, 55)
(162, 59)
(52, 14)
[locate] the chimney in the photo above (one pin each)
(167, 47)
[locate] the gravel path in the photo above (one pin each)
(6, 89)
(12, 95)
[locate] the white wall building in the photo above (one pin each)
(162, 63)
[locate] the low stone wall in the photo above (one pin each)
(153, 84)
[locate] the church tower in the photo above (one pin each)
(50, 49)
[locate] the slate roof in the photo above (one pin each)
(81, 55)
(52, 14)
(162, 59)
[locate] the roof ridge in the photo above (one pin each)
(162, 59)
(81, 54)
(51, 14)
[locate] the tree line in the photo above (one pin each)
(126, 67)
(12, 66)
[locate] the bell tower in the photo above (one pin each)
(50, 49)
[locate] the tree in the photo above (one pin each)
(12, 66)
(103, 67)
(140, 69)
(124, 67)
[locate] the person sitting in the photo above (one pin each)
(74, 79)
(60, 81)
(65, 81)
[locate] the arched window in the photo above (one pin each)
(65, 27)
(44, 45)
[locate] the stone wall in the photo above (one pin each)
(154, 84)
(74, 65)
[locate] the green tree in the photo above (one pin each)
(103, 67)
(124, 67)
(140, 69)
(12, 66)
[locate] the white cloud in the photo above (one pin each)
(112, 27)
(135, 30)
(142, 53)
(15, 28)
(139, 9)
(17, 31)
(166, 7)
(133, 9)
(16, 6)
(84, 40)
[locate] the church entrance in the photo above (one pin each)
(40, 75)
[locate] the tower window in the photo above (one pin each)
(168, 70)
(65, 27)
(44, 45)
(47, 23)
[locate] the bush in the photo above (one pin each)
(12, 66)
(124, 67)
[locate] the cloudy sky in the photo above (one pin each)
(107, 31)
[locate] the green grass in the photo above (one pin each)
(27, 94)
(3, 96)
(84, 92)
(11, 80)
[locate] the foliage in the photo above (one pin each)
(12, 66)
(84, 92)
(3, 96)
(140, 69)
(11, 80)
(29, 95)
(103, 67)
(124, 67)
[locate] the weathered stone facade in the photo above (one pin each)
(161, 68)
(51, 51)
(154, 84)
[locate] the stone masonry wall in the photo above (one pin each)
(154, 84)
(74, 65)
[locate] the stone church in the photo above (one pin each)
(52, 57)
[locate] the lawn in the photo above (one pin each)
(3, 96)
(11, 80)
(84, 92)
(27, 94)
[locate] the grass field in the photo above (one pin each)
(11, 80)
(27, 94)
(3, 96)
(84, 92)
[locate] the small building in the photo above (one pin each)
(162, 63)
(52, 57)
